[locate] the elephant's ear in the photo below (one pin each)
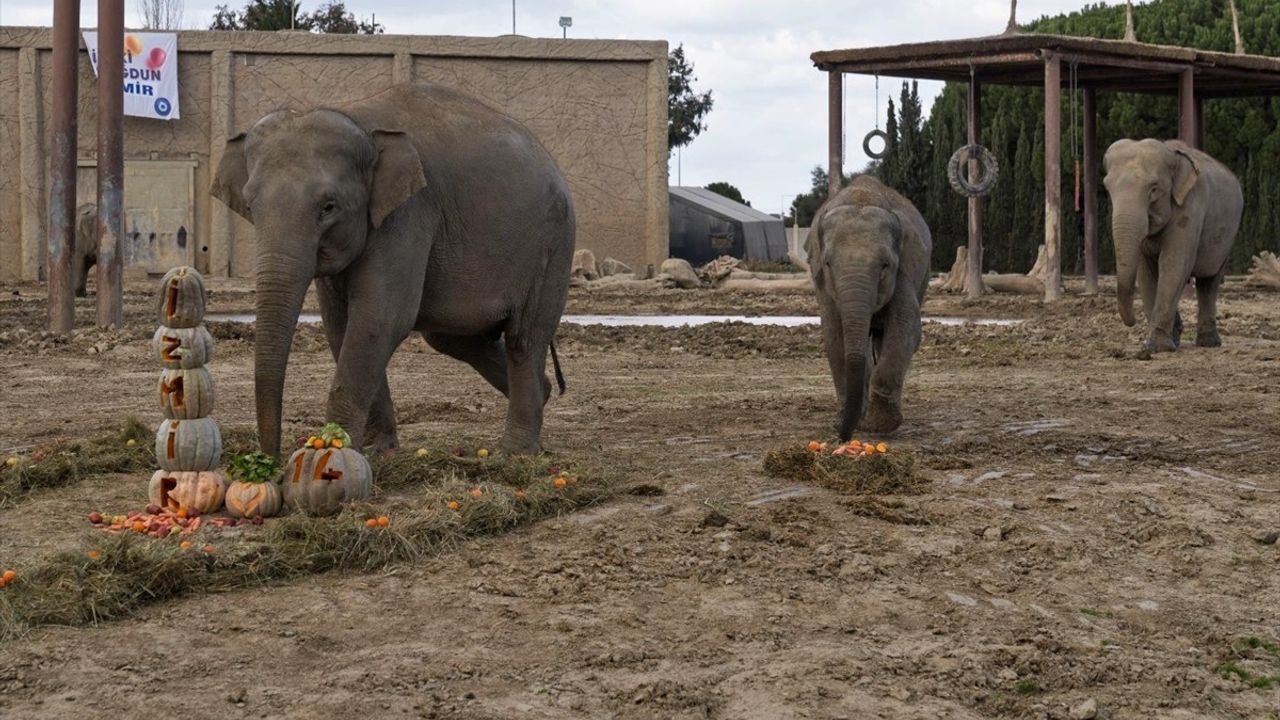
(397, 174)
(228, 183)
(813, 246)
(1185, 176)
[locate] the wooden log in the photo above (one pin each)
(1265, 271)
(798, 281)
(1013, 283)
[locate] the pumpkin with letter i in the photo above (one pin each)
(186, 394)
(199, 491)
(181, 301)
(253, 490)
(182, 348)
(326, 473)
(189, 444)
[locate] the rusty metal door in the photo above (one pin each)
(159, 211)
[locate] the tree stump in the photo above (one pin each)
(1265, 271)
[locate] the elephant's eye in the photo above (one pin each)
(329, 208)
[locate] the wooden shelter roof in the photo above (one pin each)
(1018, 59)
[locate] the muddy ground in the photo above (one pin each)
(1094, 533)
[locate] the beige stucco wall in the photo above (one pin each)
(599, 106)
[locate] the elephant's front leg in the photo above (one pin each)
(901, 339)
(1173, 272)
(380, 426)
(1207, 311)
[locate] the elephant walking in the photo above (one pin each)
(869, 257)
(417, 209)
(1175, 213)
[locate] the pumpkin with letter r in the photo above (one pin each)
(181, 301)
(253, 490)
(200, 491)
(325, 473)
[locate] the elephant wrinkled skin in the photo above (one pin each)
(869, 257)
(417, 209)
(1175, 213)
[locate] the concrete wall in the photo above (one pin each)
(599, 106)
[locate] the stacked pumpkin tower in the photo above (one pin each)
(188, 443)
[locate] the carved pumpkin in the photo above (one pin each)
(201, 491)
(246, 499)
(186, 394)
(318, 480)
(182, 348)
(189, 444)
(181, 301)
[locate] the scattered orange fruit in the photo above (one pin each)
(371, 523)
(94, 554)
(814, 446)
(185, 545)
(476, 492)
(383, 521)
(335, 443)
(318, 444)
(882, 447)
(139, 526)
(560, 482)
(519, 494)
(9, 576)
(182, 513)
(453, 505)
(209, 548)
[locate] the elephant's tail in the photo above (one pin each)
(555, 362)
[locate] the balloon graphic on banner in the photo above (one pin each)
(156, 58)
(133, 45)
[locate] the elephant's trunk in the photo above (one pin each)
(856, 301)
(281, 286)
(1129, 229)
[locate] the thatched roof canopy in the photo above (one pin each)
(1018, 59)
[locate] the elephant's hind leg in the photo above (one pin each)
(488, 357)
(526, 372)
(1207, 311)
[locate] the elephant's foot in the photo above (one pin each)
(882, 417)
(1176, 335)
(1208, 339)
(384, 444)
(1157, 343)
(519, 445)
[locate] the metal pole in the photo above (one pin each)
(62, 165)
(513, 17)
(1187, 107)
(110, 161)
(835, 132)
(1090, 191)
(973, 281)
(1053, 177)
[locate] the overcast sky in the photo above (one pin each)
(768, 127)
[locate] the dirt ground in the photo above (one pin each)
(1095, 532)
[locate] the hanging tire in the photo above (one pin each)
(866, 144)
(966, 186)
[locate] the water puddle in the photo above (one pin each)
(668, 321)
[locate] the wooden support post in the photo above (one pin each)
(62, 165)
(835, 131)
(110, 162)
(1053, 176)
(973, 286)
(1187, 107)
(1199, 123)
(1090, 191)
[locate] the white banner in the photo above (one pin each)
(150, 73)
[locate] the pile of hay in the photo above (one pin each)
(65, 463)
(439, 504)
(883, 474)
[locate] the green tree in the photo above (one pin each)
(332, 17)
(806, 205)
(686, 107)
(729, 191)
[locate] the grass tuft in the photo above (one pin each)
(111, 576)
(63, 463)
(885, 474)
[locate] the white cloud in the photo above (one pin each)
(769, 124)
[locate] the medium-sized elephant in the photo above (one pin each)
(85, 253)
(416, 209)
(869, 257)
(1175, 213)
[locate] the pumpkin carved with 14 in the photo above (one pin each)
(319, 480)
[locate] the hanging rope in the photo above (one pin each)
(877, 133)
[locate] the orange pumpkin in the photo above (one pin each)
(191, 445)
(319, 480)
(187, 491)
(246, 499)
(186, 394)
(181, 300)
(182, 348)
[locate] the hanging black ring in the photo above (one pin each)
(866, 144)
(966, 186)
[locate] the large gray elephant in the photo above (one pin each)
(417, 209)
(85, 253)
(869, 257)
(1175, 212)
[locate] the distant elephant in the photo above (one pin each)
(869, 257)
(417, 209)
(85, 253)
(1175, 213)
